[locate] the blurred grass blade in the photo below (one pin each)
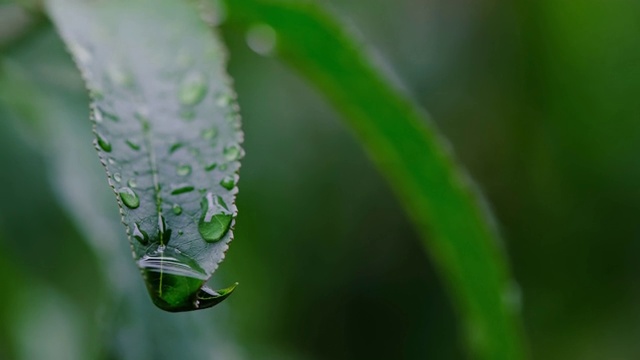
(168, 133)
(457, 230)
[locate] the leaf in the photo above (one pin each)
(456, 227)
(168, 133)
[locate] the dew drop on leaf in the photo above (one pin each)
(103, 142)
(183, 170)
(209, 134)
(181, 189)
(231, 153)
(117, 177)
(133, 145)
(132, 183)
(228, 183)
(177, 209)
(193, 89)
(129, 198)
(214, 223)
(210, 167)
(140, 235)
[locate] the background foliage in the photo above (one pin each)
(538, 99)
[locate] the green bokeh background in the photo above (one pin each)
(539, 100)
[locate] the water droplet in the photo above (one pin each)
(261, 38)
(103, 142)
(209, 134)
(214, 223)
(175, 147)
(177, 209)
(111, 161)
(187, 114)
(140, 235)
(210, 167)
(176, 282)
(222, 203)
(192, 89)
(132, 183)
(129, 197)
(119, 77)
(117, 177)
(181, 189)
(142, 114)
(232, 153)
(164, 233)
(180, 232)
(133, 145)
(183, 170)
(223, 100)
(97, 114)
(228, 182)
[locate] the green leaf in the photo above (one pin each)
(456, 228)
(168, 133)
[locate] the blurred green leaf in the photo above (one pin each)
(168, 133)
(457, 229)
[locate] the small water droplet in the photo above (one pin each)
(209, 134)
(187, 114)
(180, 232)
(119, 77)
(133, 145)
(132, 183)
(214, 223)
(142, 114)
(210, 167)
(181, 189)
(192, 89)
(177, 209)
(261, 38)
(97, 114)
(129, 197)
(175, 147)
(140, 235)
(117, 177)
(111, 161)
(163, 232)
(232, 153)
(222, 203)
(228, 183)
(223, 100)
(183, 170)
(103, 142)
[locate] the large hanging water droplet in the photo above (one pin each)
(177, 209)
(228, 182)
(103, 142)
(129, 198)
(181, 189)
(192, 89)
(140, 235)
(232, 152)
(183, 170)
(214, 223)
